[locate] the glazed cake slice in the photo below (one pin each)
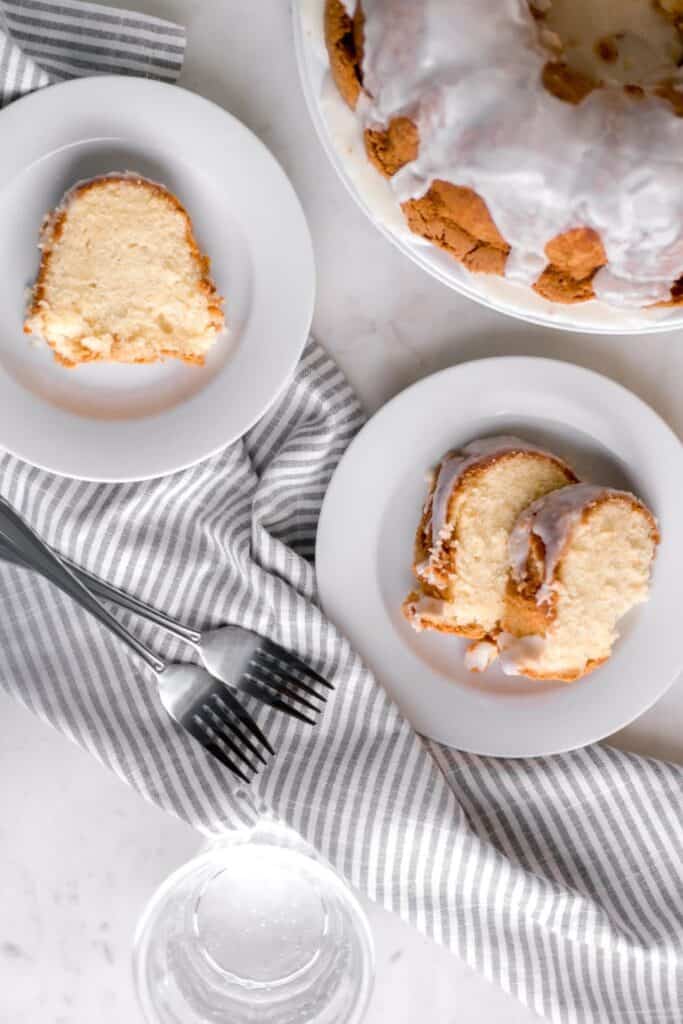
(580, 559)
(122, 278)
(461, 547)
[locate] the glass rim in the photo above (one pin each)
(206, 857)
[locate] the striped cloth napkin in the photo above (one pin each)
(45, 41)
(559, 878)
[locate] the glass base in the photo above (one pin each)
(254, 930)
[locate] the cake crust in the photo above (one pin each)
(341, 37)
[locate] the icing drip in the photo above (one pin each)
(453, 467)
(432, 607)
(480, 655)
(519, 653)
(469, 75)
(552, 518)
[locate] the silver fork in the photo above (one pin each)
(199, 703)
(237, 656)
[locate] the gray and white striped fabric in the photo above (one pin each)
(44, 41)
(561, 878)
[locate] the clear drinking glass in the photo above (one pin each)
(255, 929)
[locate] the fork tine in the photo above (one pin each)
(223, 714)
(203, 738)
(215, 726)
(251, 686)
(290, 663)
(271, 669)
(282, 687)
(294, 712)
(217, 752)
(240, 712)
(277, 670)
(256, 689)
(305, 669)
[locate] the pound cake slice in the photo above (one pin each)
(580, 559)
(122, 278)
(461, 547)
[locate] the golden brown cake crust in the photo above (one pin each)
(52, 232)
(457, 220)
(341, 37)
(454, 218)
(469, 632)
(574, 259)
(557, 285)
(389, 150)
(578, 252)
(566, 84)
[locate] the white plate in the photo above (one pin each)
(367, 527)
(340, 133)
(105, 422)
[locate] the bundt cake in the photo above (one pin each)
(580, 558)
(122, 278)
(537, 139)
(461, 547)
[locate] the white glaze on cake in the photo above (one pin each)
(456, 464)
(519, 653)
(552, 519)
(480, 655)
(432, 607)
(469, 75)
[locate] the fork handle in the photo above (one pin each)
(108, 592)
(35, 553)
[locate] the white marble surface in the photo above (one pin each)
(79, 852)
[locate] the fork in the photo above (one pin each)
(199, 703)
(237, 656)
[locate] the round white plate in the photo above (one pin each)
(340, 134)
(108, 422)
(367, 528)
